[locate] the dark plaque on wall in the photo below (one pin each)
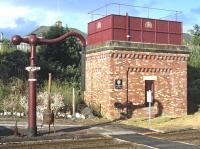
(118, 84)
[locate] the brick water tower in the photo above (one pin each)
(127, 56)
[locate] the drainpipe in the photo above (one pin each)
(127, 28)
(127, 100)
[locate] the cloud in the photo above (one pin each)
(15, 19)
(151, 3)
(188, 21)
(9, 13)
(23, 28)
(23, 16)
(195, 11)
(187, 18)
(76, 20)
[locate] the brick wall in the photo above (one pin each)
(133, 63)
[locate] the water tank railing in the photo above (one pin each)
(107, 9)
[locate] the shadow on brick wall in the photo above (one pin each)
(127, 109)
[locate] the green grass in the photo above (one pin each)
(167, 123)
(144, 122)
(65, 89)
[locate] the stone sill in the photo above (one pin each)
(136, 46)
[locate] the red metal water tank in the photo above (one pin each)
(135, 29)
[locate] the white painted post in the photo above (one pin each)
(149, 100)
(73, 103)
(149, 113)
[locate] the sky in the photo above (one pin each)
(23, 16)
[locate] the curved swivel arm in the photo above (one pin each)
(33, 40)
(63, 37)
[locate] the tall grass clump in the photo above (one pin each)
(65, 89)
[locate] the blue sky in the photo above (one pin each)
(23, 16)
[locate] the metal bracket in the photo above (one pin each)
(30, 68)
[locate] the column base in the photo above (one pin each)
(32, 132)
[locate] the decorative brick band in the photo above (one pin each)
(98, 57)
(142, 69)
(148, 57)
(136, 56)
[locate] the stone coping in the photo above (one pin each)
(137, 46)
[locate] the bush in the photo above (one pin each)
(65, 89)
(10, 93)
(194, 77)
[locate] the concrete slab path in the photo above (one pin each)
(123, 132)
(154, 142)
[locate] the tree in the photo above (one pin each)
(60, 58)
(196, 37)
(63, 61)
(12, 64)
(194, 71)
(12, 78)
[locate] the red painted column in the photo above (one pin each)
(32, 128)
(32, 121)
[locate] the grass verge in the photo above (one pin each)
(165, 124)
